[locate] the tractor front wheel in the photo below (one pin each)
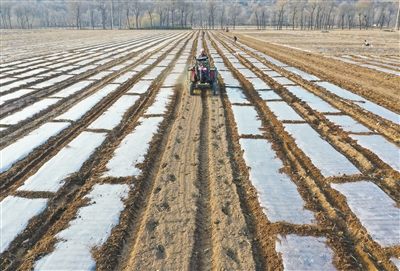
(214, 88)
(191, 88)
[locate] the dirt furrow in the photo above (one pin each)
(202, 248)
(169, 222)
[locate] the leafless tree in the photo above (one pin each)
(103, 7)
(256, 15)
(221, 14)
(342, 14)
(112, 13)
(302, 15)
(234, 10)
(281, 11)
(75, 8)
(313, 6)
(137, 8)
(212, 13)
(329, 19)
(150, 10)
(362, 14)
(25, 13)
(127, 8)
(350, 14)
(319, 15)
(391, 11)
(295, 9)
(160, 11)
(5, 10)
(92, 10)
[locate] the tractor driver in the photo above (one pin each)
(202, 56)
(203, 62)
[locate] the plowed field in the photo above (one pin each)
(108, 163)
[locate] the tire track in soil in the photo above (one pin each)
(167, 229)
(222, 244)
(202, 247)
(231, 235)
(334, 219)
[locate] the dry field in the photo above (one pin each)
(108, 163)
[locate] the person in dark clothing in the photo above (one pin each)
(202, 56)
(234, 39)
(202, 60)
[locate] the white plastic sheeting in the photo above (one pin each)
(348, 124)
(305, 253)
(113, 115)
(376, 210)
(283, 111)
(247, 120)
(312, 100)
(84, 69)
(228, 79)
(302, 74)
(72, 89)
(385, 150)
(14, 95)
(125, 77)
(380, 111)
(277, 193)
(17, 84)
(236, 95)
(132, 149)
(367, 105)
(22, 147)
(50, 177)
(162, 99)
(15, 215)
(154, 73)
(90, 229)
(140, 87)
(283, 81)
(258, 84)
(328, 160)
(100, 75)
(78, 110)
(268, 95)
(52, 81)
(396, 262)
(28, 111)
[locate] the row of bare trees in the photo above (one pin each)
(211, 14)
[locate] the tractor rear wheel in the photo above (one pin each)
(214, 86)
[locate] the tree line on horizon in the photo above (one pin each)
(210, 14)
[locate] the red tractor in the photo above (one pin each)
(202, 76)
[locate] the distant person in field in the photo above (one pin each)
(202, 59)
(366, 43)
(203, 33)
(234, 39)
